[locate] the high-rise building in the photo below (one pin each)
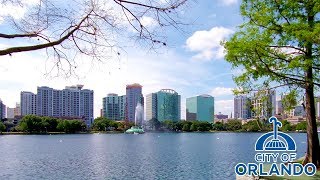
(200, 108)
(168, 105)
(3, 110)
(242, 108)
(86, 105)
(114, 107)
(17, 110)
(151, 106)
(44, 101)
(133, 96)
(122, 108)
(73, 101)
(279, 108)
(10, 113)
(264, 104)
(28, 103)
(299, 111)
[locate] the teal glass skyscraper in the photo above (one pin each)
(168, 105)
(200, 108)
(114, 107)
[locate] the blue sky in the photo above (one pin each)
(192, 63)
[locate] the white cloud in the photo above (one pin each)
(207, 43)
(163, 1)
(228, 2)
(14, 10)
(17, 12)
(148, 22)
(223, 106)
(221, 91)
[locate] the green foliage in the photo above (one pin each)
(186, 127)
(177, 126)
(154, 123)
(36, 124)
(289, 100)
(2, 127)
(193, 127)
(251, 126)
(70, 126)
(49, 124)
(168, 124)
(271, 45)
(204, 126)
(103, 124)
(218, 126)
(302, 126)
(285, 126)
(233, 125)
(277, 46)
(31, 123)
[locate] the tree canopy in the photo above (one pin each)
(88, 27)
(278, 46)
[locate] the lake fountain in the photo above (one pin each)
(138, 118)
(138, 121)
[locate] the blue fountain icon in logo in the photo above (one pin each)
(275, 141)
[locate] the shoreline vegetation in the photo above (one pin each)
(32, 124)
(121, 132)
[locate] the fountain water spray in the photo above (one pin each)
(138, 118)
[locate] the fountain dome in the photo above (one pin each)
(138, 121)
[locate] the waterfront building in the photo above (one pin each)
(299, 111)
(264, 104)
(168, 105)
(86, 105)
(200, 108)
(10, 113)
(242, 108)
(151, 106)
(163, 105)
(71, 102)
(17, 110)
(114, 107)
(133, 96)
(44, 101)
(221, 116)
(3, 110)
(28, 103)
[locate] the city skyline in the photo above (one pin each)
(70, 102)
(27, 104)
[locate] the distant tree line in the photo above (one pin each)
(256, 125)
(230, 125)
(104, 124)
(38, 124)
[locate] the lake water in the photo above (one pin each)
(125, 156)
